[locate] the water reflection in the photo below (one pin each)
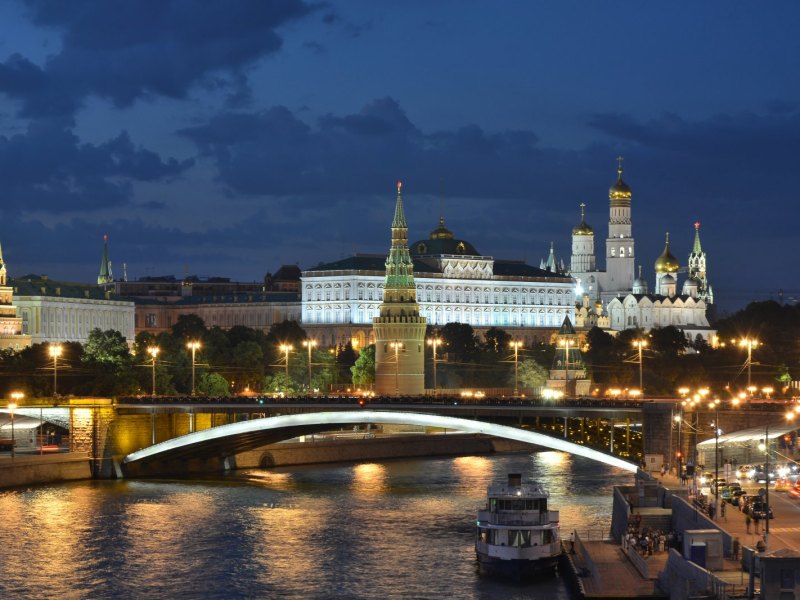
(400, 528)
(369, 480)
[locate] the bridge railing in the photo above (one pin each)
(378, 401)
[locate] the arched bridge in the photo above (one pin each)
(228, 440)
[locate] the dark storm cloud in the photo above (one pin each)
(124, 51)
(47, 168)
(274, 152)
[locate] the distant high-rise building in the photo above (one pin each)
(399, 330)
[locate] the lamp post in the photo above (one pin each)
(765, 448)
(715, 407)
(193, 346)
(396, 345)
(153, 352)
(640, 344)
(286, 348)
(434, 343)
(749, 344)
(308, 344)
(516, 345)
(55, 351)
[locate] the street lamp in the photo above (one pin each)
(396, 345)
(153, 351)
(640, 344)
(516, 345)
(55, 351)
(286, 348)
(765, 448)
(715, 407)
(308, 344)
(194, 346)
(749, 344)
(434, 343)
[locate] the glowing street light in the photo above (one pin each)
(749, 344)
(396, 345)
(640, 344)
(55, 351)
(308, 344)
(434, 343)
(567, 344)
(194, 346)
(516, 345)
(153, 351)
(286, 348)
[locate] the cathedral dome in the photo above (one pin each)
(619, 193)
(666, 263)
(441, 232)
(640, 283)
(582, 228)
(691, 286)
(668, 280)
(442, 241)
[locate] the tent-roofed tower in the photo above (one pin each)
(11, 326)
(568, 374)
(697, 267)
(105, 277)
(399, 330)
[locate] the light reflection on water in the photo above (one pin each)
(401, 528)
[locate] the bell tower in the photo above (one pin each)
(619, 245)
(399, 330)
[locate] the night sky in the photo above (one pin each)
(228, 138)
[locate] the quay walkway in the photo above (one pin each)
(605, 571)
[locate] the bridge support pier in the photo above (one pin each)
(611, 437)
(566, 427)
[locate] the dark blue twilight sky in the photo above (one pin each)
(226, 138)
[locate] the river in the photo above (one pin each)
(389, 529)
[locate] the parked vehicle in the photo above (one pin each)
(758, 509)
(736, 497)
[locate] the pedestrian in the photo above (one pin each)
(711, 511)
(747, 520)
(722, 511)
(735, 548)
(757, 522)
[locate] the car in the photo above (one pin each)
(706, 478)
(744, 472)
(794, 492)
(783, 485)
(758, 509)
(717, 484)
(736, 497)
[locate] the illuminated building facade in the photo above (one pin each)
(454, 283)
(11, 333)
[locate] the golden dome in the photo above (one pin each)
(582, 228)
(666, 263)
(620, 189)
(441, 232)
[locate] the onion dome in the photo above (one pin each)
(583, 228)
(691, 286)
(640, 283)
(619, 193)
(666, 263)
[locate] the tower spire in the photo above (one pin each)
(696, 248)
(105, 277)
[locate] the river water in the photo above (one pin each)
(390, 529)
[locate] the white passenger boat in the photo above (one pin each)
(517, 534)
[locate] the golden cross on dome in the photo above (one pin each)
(619, 164)
(583, 208)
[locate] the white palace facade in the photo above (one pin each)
(454, 283)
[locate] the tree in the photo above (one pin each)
(364, 369)
(460, 341)
(668, 340)
(106, 347)
(531, 374)
(496, 340)
(248, 360)
(279, 383)
(212, 384)
(189, 327)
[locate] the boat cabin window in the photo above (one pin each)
(518, 504)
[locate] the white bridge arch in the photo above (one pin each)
(320, 420)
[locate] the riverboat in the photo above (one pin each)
(517, 535)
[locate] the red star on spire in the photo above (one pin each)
(697, 224)
(399, 184)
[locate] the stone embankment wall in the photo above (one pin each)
(28, 470)
(333, 450)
